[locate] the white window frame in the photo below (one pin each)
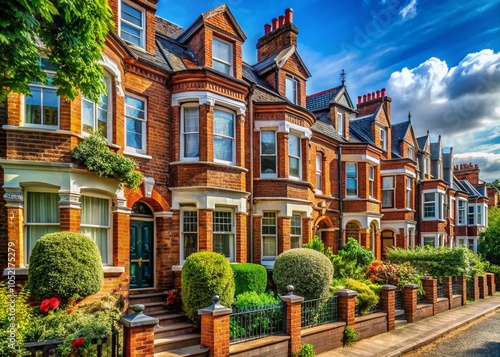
(438, 203)
(291, 84)
(391, 190)
(295, 157)
(355, 179)
(231, 233)
(319, 173)
(183, 133)
(275, 155)
(452, 206)
(383, 139)
(43, 87)
(28, 224)
(409, 197)
(340, 124)
(471, 212)
(143, 124)
(429, 237)
(142, 36)
(462, 212)
(183, 232)
(371, 181)
(221, 60)
(95, 111)
(275, 236)
(109, 227)
(297, 234)
(480, 214)
(232, 138)
(410, 153)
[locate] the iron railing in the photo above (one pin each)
(440, 292)
(251, 323)
(470, 290)
(110, 347)
(454, 289)
(398, 300)
(319, 311)
(373, 309)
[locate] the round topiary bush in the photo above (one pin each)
(205, 274)
(249, 277)
(309, 271)
(64, 264)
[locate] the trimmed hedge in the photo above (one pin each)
(309, 271)
(65, 264)
(249, 277)
(205, 274)
(439, 262)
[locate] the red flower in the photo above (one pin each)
(54, 303)
(69, 311)
(73, 303)
(45, 306)
(395, 279)
(79, 342)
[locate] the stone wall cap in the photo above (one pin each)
(346, 292)
(215, 309)
(411, 286)
(388, 287)
(138, 319)
(292, 298)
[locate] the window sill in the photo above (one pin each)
(135, 154)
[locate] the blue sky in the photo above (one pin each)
(438, 59)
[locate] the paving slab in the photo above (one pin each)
(409, 337)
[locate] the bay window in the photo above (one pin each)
(471, 216)
(319, 173)
(189, 233)
(190, 133)
(268, 153)
(97, 116)
(371, 180)
(224, 136)
(351, 174)
(223, 234)
(135, 124)
(294, 156)
(461, 209)
(388, 191)
(296, 231)
(409, 196)
(433, 205)
(95, 223)
(269, 236)
(42, 217)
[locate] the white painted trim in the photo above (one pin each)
(208, 198)
(112, 67)
(398, 171)
(205, 97)
(284, 207)
(283, 126)
(163, 214)
(361, 158)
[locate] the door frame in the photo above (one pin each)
(145, 219)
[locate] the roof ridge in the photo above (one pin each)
(322, 92)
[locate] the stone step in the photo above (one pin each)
(193, 351)
(150, 307)
(169, 318)
(144, 298)
(174, 329)
(176, 342)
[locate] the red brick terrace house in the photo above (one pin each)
(236, 159)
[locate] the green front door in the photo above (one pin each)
(141, 255)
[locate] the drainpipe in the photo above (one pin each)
(250, 172)
(276, 79)
(339, 163)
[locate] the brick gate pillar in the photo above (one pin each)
(293, 320)
(410, 301)
(388, 305)
(215, 328)
(346, 305)
(138, 333)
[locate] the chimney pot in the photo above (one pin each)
(275, 23)
(364, 98)
(288, 15)
(267, 29)
(282, 20)
(369, 96)
(373, 95)
(382, 92)
(359, 99)
(378, 94)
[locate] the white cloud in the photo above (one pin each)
(409, 11)
(489, 163)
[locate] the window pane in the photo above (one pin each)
(190, 243)
(428, 197)
(191, 129)
(131, 14)
(223, 123)
(269, 246)
(135, 107)
(134, 133)
(268, 164)
(190, 235)
(223, 149)
(191, 145)
(87, 116)
(42, 207)
(221, 50)
(222, 244)
(221, 67)
(291, 90)
(351, 171)
(388, 182)
(294, 145)
(268, 142)
(33, 106)
(294, 167)
(50, 106)
(95, 222)
(131, 34)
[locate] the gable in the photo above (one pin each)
(343, 100)
(295, 66)
(221, 23)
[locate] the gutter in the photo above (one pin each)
(339, 163)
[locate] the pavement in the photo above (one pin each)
(409, 337)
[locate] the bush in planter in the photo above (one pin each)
(249, 277)
(309, 271)
(64, 264)
(205, 274)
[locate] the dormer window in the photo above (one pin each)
(291, 89)
(410, 153)
(383, 139)
(132, 24)
(222, 56)
(340, 124)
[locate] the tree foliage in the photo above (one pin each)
(489, 246)
(71, 33)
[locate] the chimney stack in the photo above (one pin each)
(382, 92)
(359, 99)
(282, 33)
(288, 15)
(364, 98)
(378, 94)
(369, 96)
(281, 20)
(267, 29)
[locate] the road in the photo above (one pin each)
(482, 339)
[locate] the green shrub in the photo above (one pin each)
(205, 274)
(94, 153)
(439, 262)
(316, 244)
(366, 298)
(353, 252)
(15, 320)
(306, 350)
(350, 336)
(64, 264)
(254, 299)
(310, 272)
(394, 274)
(249, 277)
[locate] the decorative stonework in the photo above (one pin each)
(120, 206)
(14, 197)
(69, 200)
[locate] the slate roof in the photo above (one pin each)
(174, 53)
(278, 60)
(471, 190)
(398, 133)
(322, 99)
(167, 28)
(323, 126)
(362, 128)
(421, 141)
(457, 185)
(436, 150)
